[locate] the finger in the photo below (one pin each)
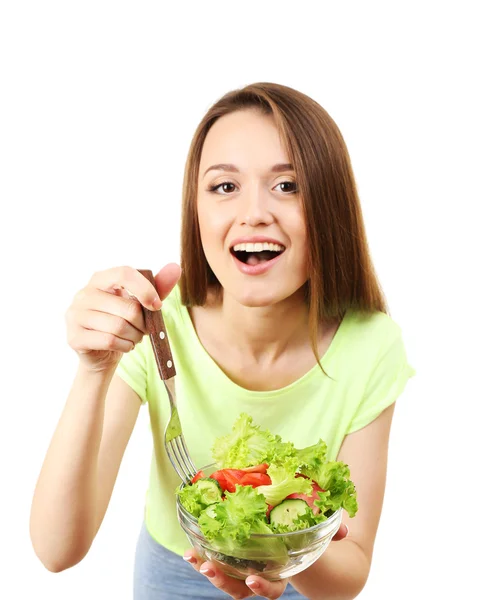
(234, 587)
(127, 308)
(266, 589)
(238, 590)
(86, 340)
(167, 278)
(129, 279)
(341, 533)
(193, 558)
(100, 321)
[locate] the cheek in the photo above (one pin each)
(298, 231)
(214, 224)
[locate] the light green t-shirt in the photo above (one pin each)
(366, 360)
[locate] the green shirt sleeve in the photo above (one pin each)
(132, 369)
(387, 381)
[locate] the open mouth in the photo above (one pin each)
(254, 254)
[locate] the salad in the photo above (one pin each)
(263, 485)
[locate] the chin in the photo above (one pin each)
(252, 297)
(256, 301)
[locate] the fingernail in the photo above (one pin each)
(253, 583)
(157, 303)
(207, 572)
(190, 559)
(347, 529)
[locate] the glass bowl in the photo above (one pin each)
(273, 556)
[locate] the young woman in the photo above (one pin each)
(277, 312)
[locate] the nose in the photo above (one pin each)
(255, 207)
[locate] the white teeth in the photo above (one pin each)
(258, 247)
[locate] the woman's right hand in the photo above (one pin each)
(106, 318)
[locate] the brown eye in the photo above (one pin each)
(288, 190)
(222, 185)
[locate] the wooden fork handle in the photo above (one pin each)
(155, 326)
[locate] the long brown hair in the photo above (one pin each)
(341, 272)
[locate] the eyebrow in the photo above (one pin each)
(279, 168)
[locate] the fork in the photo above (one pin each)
(175, 444)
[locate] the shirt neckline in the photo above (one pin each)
(257, 394)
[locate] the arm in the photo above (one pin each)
(80, 467)
(78, 474)
(342, 571)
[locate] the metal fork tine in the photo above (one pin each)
(179, 464)
(172, 460)
(183, 450)
(183, 457)
(180, 457)
(187, 456)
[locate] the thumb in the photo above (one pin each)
(166, 279)
(341, 533)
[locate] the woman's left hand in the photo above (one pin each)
(253, 585)
(236, 588)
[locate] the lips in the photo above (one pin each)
(255, 255)
(255, 268)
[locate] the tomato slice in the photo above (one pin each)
(310, 499)
(199, 475)
(254, 476)
(220, 478)
(255, 479)
(228, 478)
(236, 473)
(231, 478)
(262, 468)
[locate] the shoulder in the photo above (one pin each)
(374, 328)
(368, 338)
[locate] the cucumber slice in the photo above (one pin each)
(287, 512)
(209, 489)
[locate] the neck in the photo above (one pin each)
(262, 334)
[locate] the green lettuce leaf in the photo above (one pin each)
(312, 457)
(235, 515)
(334, 477)
(284, 482)
(247, 445)
(191, 499)
(195, 499)
(307, 519)
(273, 549)
(230, 525)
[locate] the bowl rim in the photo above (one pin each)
(314, 528)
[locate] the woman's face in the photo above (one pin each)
(250, 210)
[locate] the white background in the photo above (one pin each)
(99, 101)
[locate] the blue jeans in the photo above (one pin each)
(160, 574)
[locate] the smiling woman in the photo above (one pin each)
(273, 162)
(277, 313)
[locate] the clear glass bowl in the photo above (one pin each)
(273, 556)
